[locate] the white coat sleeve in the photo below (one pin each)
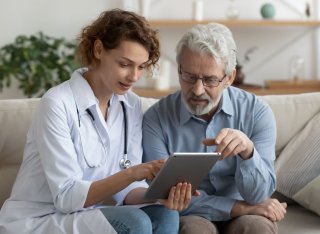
(58, 156)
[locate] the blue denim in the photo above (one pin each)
(149, 219)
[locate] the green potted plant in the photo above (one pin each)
(38, 62)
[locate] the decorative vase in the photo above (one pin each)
(128, 5)
(296, 68)
(232, 11)
(267, 11)
(144, 8)
(198, 10)
(159, 79)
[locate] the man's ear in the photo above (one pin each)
(230, 79)
(97, 49)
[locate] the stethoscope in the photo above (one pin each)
(124, 162)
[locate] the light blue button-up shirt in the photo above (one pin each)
(169, 127)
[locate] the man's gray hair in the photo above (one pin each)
(212, 39)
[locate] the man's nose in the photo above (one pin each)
(198, 88)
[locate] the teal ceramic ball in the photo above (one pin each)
(267, 11)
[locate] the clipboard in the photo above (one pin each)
(181, 167)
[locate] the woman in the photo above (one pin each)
(84, 145)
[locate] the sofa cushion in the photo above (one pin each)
(309, 196)
(299, 220)
(15, 119)
(147, 102)
(292, 112)
(299, 162)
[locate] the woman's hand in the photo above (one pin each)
(179, 197)
(146, 170)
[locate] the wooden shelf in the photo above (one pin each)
(153, 93)
(292, 84)
(280, 91)
(278, 87)
(236, 23)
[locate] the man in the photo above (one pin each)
(209, 115)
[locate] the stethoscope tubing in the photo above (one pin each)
(124, 162)
(125, 150)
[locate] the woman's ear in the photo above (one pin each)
(230, 79)
(97, 49)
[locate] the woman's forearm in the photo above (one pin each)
(136, 196)
(105, 188)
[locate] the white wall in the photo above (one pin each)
(59, 18)
(65, 18)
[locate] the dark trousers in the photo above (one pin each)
(246, 224)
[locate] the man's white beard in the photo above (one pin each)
(201, 110)
(198, 109)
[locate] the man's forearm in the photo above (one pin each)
(270, 208)
(240, 208)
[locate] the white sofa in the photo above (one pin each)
(292, 113)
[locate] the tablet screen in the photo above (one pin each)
(181, 167)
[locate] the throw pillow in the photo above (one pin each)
(299, 162)
(309, 196)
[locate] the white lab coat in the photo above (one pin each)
(65, 151)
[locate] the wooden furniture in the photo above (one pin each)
(153, 93)
(271, 87)
(235, 23)
(291, 86)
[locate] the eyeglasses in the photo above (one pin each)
(208, 81)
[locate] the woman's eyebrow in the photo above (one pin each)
(131, 61)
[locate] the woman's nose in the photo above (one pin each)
(135, 74)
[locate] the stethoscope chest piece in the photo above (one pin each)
(124, 163)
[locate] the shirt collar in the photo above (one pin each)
(84, 96)
(225, 105)
(185, 114)
(124, 98)
(82, 92)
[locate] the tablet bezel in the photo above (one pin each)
(181, 167)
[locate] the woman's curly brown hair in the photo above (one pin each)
(114, 26)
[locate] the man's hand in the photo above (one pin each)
(179, 197)
(270, 208)
(230, 142)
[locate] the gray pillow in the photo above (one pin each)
(299, 162)
(309, 196)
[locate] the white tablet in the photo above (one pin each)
(181, 167)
